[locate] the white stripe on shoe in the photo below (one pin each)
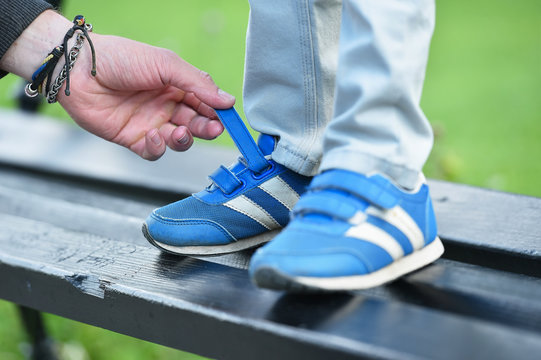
(281, 191)
(401, 220)
(407, 264)
(249, 208)
(373, 234)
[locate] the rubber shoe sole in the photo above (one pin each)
(271, 278)
(210, 250)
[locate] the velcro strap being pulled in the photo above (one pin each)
(225, 180)
(242, 138)
(376, 189)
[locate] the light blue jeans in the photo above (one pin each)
(339, 82)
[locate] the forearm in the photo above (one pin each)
(26, 54)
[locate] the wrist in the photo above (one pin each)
(27, 52)
(82, 67)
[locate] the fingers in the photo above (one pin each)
(177, 138)
(151, 147)
(213, 129)
(204, 128)
(199, 106)
(187, 77)
(199, 126)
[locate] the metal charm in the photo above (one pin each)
(29, 91)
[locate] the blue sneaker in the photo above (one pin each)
(245, 205)
(350, 232)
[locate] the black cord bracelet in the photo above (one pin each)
(43, 73)
(79, 24)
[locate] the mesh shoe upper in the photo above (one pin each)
(253, 196)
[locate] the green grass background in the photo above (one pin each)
(482, 96)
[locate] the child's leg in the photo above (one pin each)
(291, 60)
(378, 125)
(367, 218)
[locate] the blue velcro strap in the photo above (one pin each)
(339, 207)
(225, 180)
(375, 189)
(244, 141)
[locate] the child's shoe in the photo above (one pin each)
(245, 205)
(348, 232)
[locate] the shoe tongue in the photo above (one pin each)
(238, 166)
(266, 144)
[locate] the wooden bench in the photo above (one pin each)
(71, 209)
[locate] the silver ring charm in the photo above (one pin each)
(29, 91)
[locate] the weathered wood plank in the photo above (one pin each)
(489, 228)
(506, 236)
(42, 143)
(183, 302)
(87, 207)
(473, 291)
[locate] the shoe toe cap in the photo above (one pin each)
(328, 264)
(186, 232)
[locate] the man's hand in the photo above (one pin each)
(143, 97)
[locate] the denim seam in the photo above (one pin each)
(310, 105)
(300, 160)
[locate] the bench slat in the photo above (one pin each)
(184, 302)
(489, 228)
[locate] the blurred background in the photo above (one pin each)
(482, 95)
